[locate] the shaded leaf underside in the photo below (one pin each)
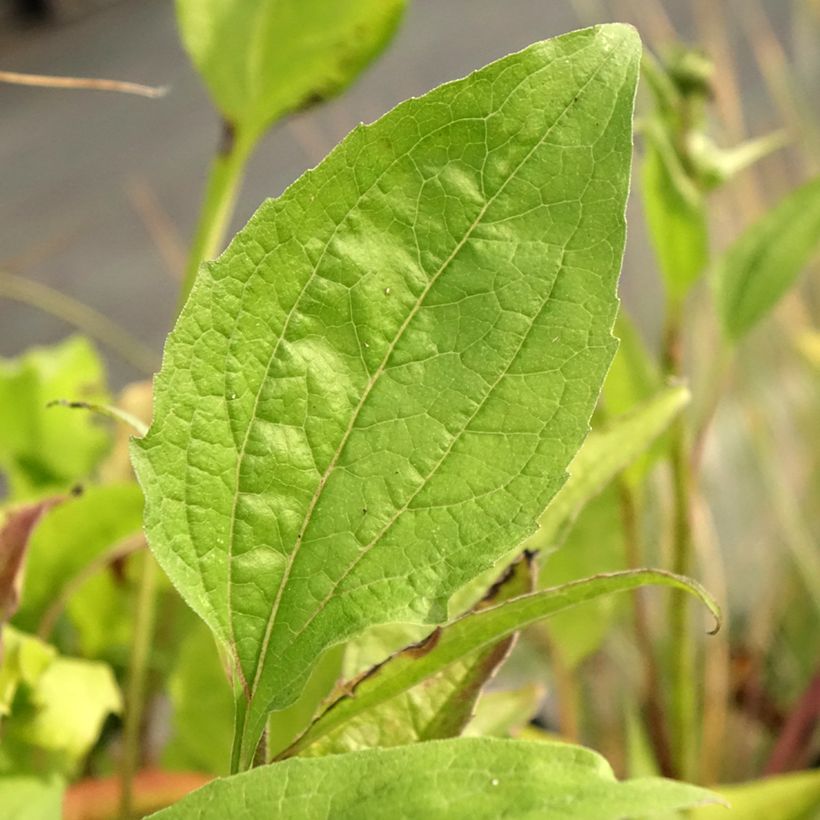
(373, 393)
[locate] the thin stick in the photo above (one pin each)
(81, 316)
(85, 83)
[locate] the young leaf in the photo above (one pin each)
(763, 263)
(463, 779)
(264, 58)
(442, 705)
(474, 631)
(677, 226)
(372, 394)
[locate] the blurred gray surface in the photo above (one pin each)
(78, 166)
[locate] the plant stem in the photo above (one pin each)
(655, 719)
(682, 701)
(137, 677)
(227, 171)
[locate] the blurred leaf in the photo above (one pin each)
(69, 537)
(48, 449)
(473, 632)
(31, 798)
(758, 269)
(634, 376)
(262, 59)
(677, 226)
(23, 660)
(603, 456)
(398, 357)
(62, 717)
(788, 797)
(594, 544)
(443, 704)
(202, 703)
(463, 779)
(501, 713)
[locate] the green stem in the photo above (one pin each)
(227, 171)
(137, 677)
(682, 705)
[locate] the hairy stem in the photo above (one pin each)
(227, 171)
(137, 676)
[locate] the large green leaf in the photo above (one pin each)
(31, 798)
(474, 631)
(763, 263)
(264, 58)
(469, 778)
(45, 449)
(378, 387)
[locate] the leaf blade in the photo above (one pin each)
(321, 396)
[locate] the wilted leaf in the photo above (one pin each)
(764, 262)
(15, 536)
(440, 706)
(475, 631)
(46, 449)
(264, 58)
(374, 392)
(462, 779)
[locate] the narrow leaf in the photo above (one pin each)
(372, 394)
(441, 706)
(264, 58)
(475, 631)
(764, 262)
(463, 779)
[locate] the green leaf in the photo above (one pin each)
(677, 226)
(604, 454)
(48, 449)
(31, 798)
(62, 717)
(23, 660)
(787, 797)
(758, 269)
(202, 703)
(370, 397)
(443, 704)
(503, 712)
(475, 631)
(69, 537)
(262, 59)
(470, 778)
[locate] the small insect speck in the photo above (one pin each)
(494, 781)
(387, 291)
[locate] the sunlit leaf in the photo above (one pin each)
(503, 712)
(372, 394)
(46, 449)
(264, 58)
(764, 262)
(31, 798)
(462, 779)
